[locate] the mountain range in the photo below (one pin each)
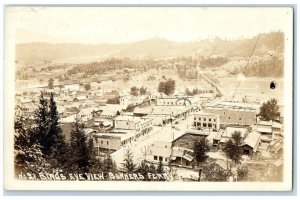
(35, 52)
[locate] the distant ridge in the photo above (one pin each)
(152, 48)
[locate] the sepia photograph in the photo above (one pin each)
(148, 98)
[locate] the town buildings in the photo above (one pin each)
(206, 120)
(233, 116)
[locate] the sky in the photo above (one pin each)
(124, 24)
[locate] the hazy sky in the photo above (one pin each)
(115, 25)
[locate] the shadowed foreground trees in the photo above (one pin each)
(79, 152)
(28, 153)
(128, 165)
(40, 145)
(47, 133)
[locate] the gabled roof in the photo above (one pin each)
(88, 110)
(111, 109)
(252, 140)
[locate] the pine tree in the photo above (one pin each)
(128, 165)
(56, 139)
(28, 154)
(42, 126)
(109, 165)
(79, 152)
(94, 163)
(144, 169)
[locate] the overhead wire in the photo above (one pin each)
(246, 66)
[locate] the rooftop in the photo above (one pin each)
(252, 140)
(159, 151)
(187, 140)
(218, 107)
(122, 134)
(266, 123)
(130, 118)
(201, 113)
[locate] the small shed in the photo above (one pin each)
(251, 143)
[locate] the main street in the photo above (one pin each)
(138, 148)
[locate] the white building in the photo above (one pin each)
(206, 120)
(159, 151)
(126, 122)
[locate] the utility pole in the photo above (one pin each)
(227, 161)
(200, 172)
(173, 134)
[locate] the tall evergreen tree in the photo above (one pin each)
(144, 169)
(108, 164)
(79, 152)
(95, 165)
(128, 165)
(56, 139)
(28, 154)
(40, 133)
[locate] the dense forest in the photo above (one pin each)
(273, 67)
